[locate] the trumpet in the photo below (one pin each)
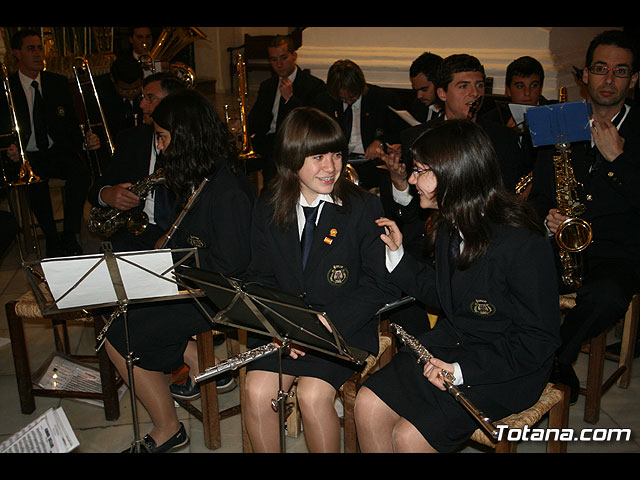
(26, 176)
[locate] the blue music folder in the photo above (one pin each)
(565, 122)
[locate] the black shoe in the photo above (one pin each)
(185, 391)
(565, 375)
(179, 440)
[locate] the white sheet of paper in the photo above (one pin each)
(406, 116)
(97, 288)
(518, 111)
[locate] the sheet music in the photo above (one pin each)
(406, 116)
(84, 280)
(49, 433)
(518, 112)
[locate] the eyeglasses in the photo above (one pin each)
(620, 72)
(418, 171)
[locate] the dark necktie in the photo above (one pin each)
(347, 121)
(39, 123)
(310, 214)
(281, 111)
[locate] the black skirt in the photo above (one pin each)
(332, 370)
(441, 420)
(159, 332)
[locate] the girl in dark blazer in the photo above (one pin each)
(344, 275)
(195, 145)
(499, 314)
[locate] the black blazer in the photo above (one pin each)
(610, 193)
(113, 106)
(377, 121)
(129, 163)
(345, 274)
(219, 224)
(305, 88)
(62, 121)
(499, 319)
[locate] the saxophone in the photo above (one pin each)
(108, 220)
(574, 234)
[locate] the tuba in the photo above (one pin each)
(246, 150)
(108, 220)
(25, 175)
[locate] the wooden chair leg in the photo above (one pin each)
(107, 377)
(209, 393)
(559, 419)
(20, 359)
(627, 347)
(594, 379)
(349, 391)
(506, 446)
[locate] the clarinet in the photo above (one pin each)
(423, 357)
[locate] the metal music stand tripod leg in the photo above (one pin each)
(130, 360)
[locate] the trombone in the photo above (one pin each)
(246, 151)
(81, 68)
(26, 175)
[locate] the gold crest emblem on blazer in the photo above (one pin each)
(482, 307)
(337, 275)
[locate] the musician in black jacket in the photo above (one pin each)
(497, 330)
(53, 146)
(135, 159)
(606, 170)
(343, 273)
(289, 87)
(362, 110)
(195, 144)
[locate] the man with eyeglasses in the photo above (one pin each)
(606, 169)
(135, 158)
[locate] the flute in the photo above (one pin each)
(423, 357)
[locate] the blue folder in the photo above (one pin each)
(565, 122)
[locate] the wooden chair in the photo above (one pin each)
(350, 388)
(596, 385)
(209, 413)
(347, 393)
(26, 307)
(554, 401)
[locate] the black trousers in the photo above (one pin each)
(602, 300)
(67, 165)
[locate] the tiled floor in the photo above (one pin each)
(620, 407)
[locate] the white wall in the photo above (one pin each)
(386, 53)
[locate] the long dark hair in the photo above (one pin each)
(469, 193)
(305, 131)
(200, 142)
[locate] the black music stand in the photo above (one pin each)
(274, 313)
(88, 288)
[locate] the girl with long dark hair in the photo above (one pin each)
(344, 274)
(195, 144)
(497, 328)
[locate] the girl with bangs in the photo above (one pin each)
(343, 273)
